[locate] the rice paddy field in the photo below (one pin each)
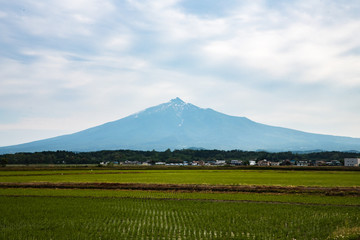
(220, 177)
(31, 211)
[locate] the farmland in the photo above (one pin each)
(171, 176)
(179, 204)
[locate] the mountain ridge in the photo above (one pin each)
(178, 125)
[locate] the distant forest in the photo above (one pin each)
(168, 156)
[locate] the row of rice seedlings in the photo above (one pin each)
(78, 218)
(174, 220)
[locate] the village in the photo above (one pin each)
(348, 162)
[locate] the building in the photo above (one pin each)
(351, 162)
(263, 162)
(334, 163)
(201, 163)
(274, 163)
(286, 162)
(236, 162)
(160, 163)
(220, 162)
(320, 163)
(302, 163)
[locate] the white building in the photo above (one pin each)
(351, 162)
(302, 163)
(220, 162)
(160, 163)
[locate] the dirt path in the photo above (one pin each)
(336, 191)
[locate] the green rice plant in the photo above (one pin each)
(220, 177)
(118, 218)
(345, 233)
(257, 197)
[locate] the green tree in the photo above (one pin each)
(3, 162)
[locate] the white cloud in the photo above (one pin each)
(119, 42)
(62, 19)
(89, 62)
(307, 48)
(174, 25)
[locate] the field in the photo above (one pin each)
(179, 204)
(217, 177)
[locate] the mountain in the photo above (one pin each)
(178, 125)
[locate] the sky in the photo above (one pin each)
(67, 65)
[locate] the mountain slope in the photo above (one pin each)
(178, 125)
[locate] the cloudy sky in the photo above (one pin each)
(67, 65)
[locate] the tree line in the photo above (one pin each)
(168, 156)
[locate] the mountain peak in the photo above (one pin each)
(177, 101)
(175, 104)
(177, 125)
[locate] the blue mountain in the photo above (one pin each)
(179, 125)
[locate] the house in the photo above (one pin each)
(160, 163)
(198, 163)
(286, 162)
(351, 162)
(220, 162)
(320, 163)
(302, 163)
(263, 162)
(236, 162)
(274, 163)
(333, 163)
(252, 163)
(128, 162)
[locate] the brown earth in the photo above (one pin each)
(339, 191)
